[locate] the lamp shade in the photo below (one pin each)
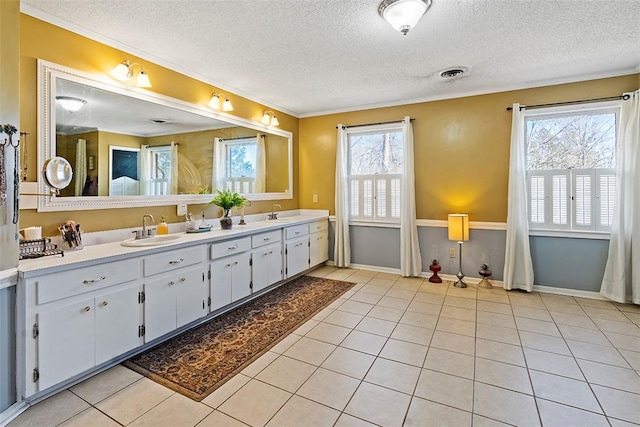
(122, 71)
(143, 79)
(459, 227)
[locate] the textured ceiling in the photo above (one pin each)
(309, 57)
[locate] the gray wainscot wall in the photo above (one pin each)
(559, 262)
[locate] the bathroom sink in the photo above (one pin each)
(164, 239)
(280, 220)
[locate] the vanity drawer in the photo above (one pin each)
(172, 260)
(230, 247)
(263, 239)
(56, 286)
(318, 226)
(297, 231)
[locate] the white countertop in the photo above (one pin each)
(107, 252)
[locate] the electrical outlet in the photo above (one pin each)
(182, 209)
(315, 198)
(452, 252)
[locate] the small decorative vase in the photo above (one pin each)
(485, 272)
(226, 222)
(435, 267)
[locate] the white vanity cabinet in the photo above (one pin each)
(77, 319)
(318, 242)
(266, 256)
(175, 290)
(93, 308)
(296, 249)
(230, 271)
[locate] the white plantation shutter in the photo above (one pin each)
(375, 197)
(394, 196)
(559, 199)
(381, 197)
(583, 198)
(537, 199)
(606, 198)
(355, 204)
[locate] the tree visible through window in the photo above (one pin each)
(570, 169)
(375, 174)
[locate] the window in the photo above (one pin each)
(240, 164)
(375, 173)
(159, 179)
(571, 168)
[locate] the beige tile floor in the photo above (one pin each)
(401, 351)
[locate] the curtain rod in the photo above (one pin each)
(372, 124)
(625, 97)
(163, 145)
(242, 137)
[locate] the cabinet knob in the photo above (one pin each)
(228, 265)
(176, 261)
(171, 283)
(105, 303)
(183, 279)
(235, 263)
(87, 308)
(92, 281)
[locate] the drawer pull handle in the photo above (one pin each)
(266, 239)
(105, 303)
(183, 279)
(87, 308)
(176, 262)
(297, 232)
(231, 248)
(92, 281)
(171, 283)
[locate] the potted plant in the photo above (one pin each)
(227, 199)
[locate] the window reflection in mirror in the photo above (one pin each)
(176, 149)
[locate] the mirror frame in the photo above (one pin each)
(48, 72)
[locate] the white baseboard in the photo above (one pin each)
(476, 280)
(12, 412)
(569, 292)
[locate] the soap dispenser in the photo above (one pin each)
(163, 228)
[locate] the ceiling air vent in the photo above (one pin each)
(160, 121)
(452, 72)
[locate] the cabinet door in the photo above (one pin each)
(117, 319)
(220, 282)
(275, 264)
(241, 276)
(159, 307)
(191, 296)
(297, 255)
(267, 267)
(66, 342)
(318, 248)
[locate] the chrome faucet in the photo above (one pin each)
(145, 232)
(274, 214)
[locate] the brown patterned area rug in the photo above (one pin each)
(198, 361)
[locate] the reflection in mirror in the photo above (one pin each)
(144, 149)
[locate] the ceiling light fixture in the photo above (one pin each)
(403, 15)
(269, 118)
(70, 103)
(214, 103)
(124, 72)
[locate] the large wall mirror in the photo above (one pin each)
(129, 147)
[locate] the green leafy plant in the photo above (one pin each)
(227, 199)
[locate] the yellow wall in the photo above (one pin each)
(39, 39)
(461, 147)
